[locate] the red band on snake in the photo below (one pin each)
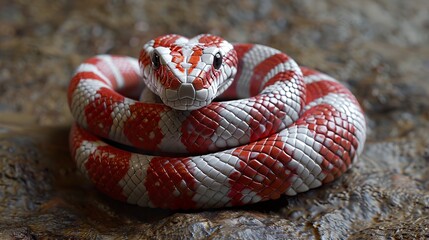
(216, 124)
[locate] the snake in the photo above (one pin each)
(200, 122)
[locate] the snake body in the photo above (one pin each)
(275, 127)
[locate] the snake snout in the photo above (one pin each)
(186, 97)
(186, 91)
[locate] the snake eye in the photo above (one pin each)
(156, 61)
(217, 61)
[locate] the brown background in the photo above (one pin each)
(378, 48)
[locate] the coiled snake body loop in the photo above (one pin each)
(274, 128)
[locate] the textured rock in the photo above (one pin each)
(377, 48)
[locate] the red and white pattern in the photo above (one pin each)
(292, 128)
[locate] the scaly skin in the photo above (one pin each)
(290, 128)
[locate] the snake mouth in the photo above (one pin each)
(187, 98)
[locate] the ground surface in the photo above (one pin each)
(377, 48)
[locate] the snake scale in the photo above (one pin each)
(203, 123)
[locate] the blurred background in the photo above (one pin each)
(377, 48)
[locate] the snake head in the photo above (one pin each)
(188, 74)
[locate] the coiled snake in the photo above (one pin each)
(274, 128)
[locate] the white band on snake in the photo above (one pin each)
(216, 124)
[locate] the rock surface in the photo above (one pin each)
(377, 48)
